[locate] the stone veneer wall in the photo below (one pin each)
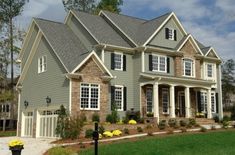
(91, 73)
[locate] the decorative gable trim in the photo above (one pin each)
(211, 49)
(102, 13)
(172, 15)
(97, 60)
(194, 42)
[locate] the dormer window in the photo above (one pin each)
(170, 34)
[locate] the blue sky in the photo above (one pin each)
(210, 21)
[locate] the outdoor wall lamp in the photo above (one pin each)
(26, 104)
(48, 100)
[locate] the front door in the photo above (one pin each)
(181, 104)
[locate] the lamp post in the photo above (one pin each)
(96, 138)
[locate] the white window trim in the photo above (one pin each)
(173, 34)
(213, 71)
(193, 67)
(89, 104)
(166, 90)
(158, 57)
(213, 94)
(118, 69)
(122, 103)
(43, 69)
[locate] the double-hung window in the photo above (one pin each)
(118, 61)
(170, 34)
(159, 63)
(188, 66)
(42, 64)
(89, 96)
(118, 98)
(209, 71)
(165, 101)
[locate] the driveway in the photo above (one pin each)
(32, 146)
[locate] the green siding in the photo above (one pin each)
(53, 83)
(160, 40)
(172, 69)
(124, 78)
(81, 33)
(29, 46)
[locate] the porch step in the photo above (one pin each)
(205, 121)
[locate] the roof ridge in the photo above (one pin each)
(125, 15)
(157, 17)
(47, 20)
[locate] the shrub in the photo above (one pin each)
(213, 127)
(60, 151)
(225, 124)
(172, 122)
(233, 113)
(108, 134)
(131, 114)
(126, 131)
(101, 129)
(74, 128)
(62, 122)
(216, 118)
(226, 118)
(203, 129)
(117, 132)
(149, 126)
(139, 129)
(89, 133)
(149, 114)
(189, 126)
(141, 120)
(83, 117)
(162, 124)
(113, 117)
(183, 123)
(192, 121)
(132, 122)
(125, 120)
(95, 117)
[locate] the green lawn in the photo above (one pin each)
(211, 143)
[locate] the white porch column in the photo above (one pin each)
(209, 114)
(102, 55)
(156, 101)
(142, 61)
(187, 102)
(172, 101)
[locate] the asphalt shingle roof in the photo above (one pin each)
(100, 29)
(66, 44)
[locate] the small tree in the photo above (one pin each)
(62, 122)
(79, 5)
(109, 5)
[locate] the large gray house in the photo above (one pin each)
(90, 61)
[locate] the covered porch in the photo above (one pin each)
(170, 97)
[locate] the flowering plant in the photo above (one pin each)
(133, 122)
(16, 144)
(108, 134)
(200, 115)
(117, 132)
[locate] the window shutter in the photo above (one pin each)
(167, 33)
(217, 102)
(124, 62)
(168, 64)
(112, 97)
(150, 62)
(199, 101)
(175, 35)
(112, 61)
(124, 99)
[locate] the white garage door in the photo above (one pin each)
(27, 124)
(48, 122)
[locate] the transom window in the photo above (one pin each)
(165, 101)
(42, 64)
(149, 99)
(89, 96)
(118, 61)
(118, 98)
(159, 63)
(188, 67)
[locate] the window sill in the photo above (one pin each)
(89, 109)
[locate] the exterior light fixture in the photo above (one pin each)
(48, 100)
(26, 104)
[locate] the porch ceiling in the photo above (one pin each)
(177, 81)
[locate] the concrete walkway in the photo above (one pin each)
(32, 146)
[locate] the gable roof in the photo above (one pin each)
(100, 29)
(66, 45)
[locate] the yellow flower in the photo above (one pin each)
(108, 134)
(100, 136)
(133, 122)
(15, 142)
(117, 132)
